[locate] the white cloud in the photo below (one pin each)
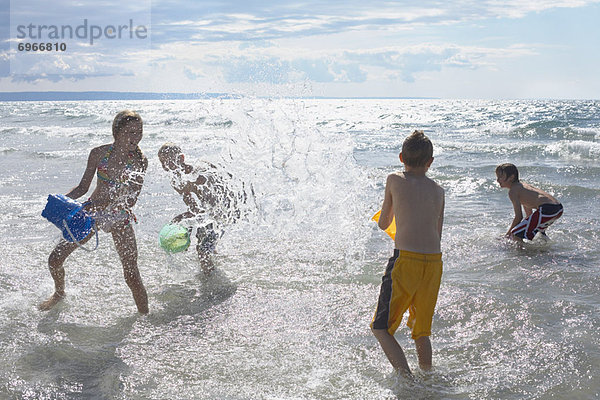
(286, 20)
(278, 65)
(193, 73)
(230, 43)
(518, 9)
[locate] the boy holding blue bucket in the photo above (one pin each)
(120, 169)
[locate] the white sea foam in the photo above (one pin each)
(577, 149)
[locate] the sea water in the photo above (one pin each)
(286, 313)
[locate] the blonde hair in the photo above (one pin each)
(120, 119)
(123, 117)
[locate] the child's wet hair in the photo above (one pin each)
(508, 170)
(417, 149)
(169, 149)
(122, 118)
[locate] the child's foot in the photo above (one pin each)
(515, 238)
(51, 302)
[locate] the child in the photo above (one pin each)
(412, 277)
(547, 208)
(209, 198)
(120, 169)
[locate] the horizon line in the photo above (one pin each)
(92, 95)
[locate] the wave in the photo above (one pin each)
(187, 120)
(491, 148)
(10, 131)
(554, 130)
(7, 150)
(480, 183)
(578, 150)
(567, 150)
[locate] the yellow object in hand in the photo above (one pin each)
(391, 230)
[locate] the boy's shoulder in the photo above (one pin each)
(515, 189)
(401, 177)
(399, 182)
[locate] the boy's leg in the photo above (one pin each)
(526, 229)
(392, 350)
(423, 345)
(207, 240)
(421, 311)
(55, 263)
(124, 238)
(549, 214)
(393, 302)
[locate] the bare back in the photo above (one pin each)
(530, 197)
(418, 206)
(206, 190)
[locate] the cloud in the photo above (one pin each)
(405, 62)
(253, 27)
(36, 78)
(357, 66)
(519, 9)
(266, 70)
(193, 73)
(263, 20)
(276, 70)
(256, 44)
(315, 70)
(262, 41)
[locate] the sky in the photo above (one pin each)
(489, 49)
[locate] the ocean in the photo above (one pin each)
(286, 313)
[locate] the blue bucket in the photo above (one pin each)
(62, 210)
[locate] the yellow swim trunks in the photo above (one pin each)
(411, 281)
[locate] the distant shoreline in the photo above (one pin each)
(92, 96)
(71, 96)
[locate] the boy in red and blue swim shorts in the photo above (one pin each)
(541, 208)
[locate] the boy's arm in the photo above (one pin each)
(192, 206)
(182, 216)
(200, 180)
(193, 209)
(387, 209)
(514, 198)
(88, 175)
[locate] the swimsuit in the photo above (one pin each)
(102, 172)
(106, 220)
(541, 219)
(411, 281)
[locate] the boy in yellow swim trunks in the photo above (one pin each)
(412, 277)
